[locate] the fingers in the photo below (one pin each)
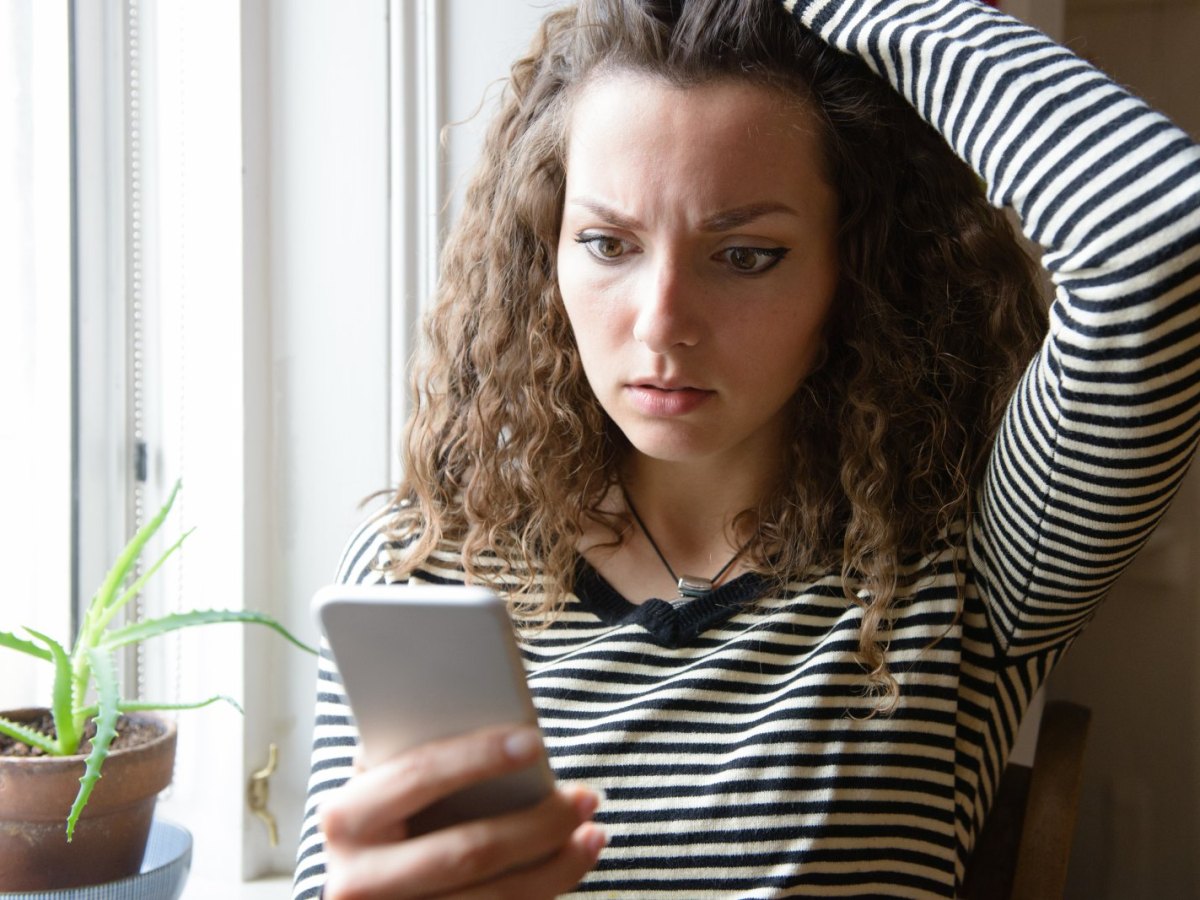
(544, 849)
(483, 850)
(370, 806)
(557, 875)
(547, 847)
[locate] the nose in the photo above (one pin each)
(668, 312)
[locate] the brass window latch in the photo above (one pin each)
(258, 792)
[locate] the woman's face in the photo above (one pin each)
(697, 260)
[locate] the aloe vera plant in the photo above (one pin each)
(85, 683)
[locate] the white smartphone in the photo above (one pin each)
(420, 663)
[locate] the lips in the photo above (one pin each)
(664, 400)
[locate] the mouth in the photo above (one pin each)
(666, 386)
(665, 400)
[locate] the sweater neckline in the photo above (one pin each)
(669, 624)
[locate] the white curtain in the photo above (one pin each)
(35, 285)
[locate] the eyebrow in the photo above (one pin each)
(608, 214)
(725, 220)
(729, 219)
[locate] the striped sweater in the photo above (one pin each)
(731, 741)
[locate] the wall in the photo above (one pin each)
(1139, 829)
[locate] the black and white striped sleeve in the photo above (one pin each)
(1103, 426)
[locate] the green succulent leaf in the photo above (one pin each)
(106, 594)
(140, 631)
(10, 640)
(134, 589)
(63, 703)
(27, 735)
(155, 705)
(105, 670)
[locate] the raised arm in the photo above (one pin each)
(1103, 426)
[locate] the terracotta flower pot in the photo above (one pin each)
(36, 794)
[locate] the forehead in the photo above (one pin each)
(723, 136)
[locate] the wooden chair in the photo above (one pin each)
(1023, 850)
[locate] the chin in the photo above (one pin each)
(668, 448)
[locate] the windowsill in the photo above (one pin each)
(264, 889)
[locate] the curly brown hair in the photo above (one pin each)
(937, 313)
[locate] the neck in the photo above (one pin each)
(687, 584)
(689, 508)
(693, 498)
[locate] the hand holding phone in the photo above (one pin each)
(448, 734)
(534, 853)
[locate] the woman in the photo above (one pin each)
(743, 392)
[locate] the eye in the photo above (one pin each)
(604, 247)
(752, 260)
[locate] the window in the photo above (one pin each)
(232, 212)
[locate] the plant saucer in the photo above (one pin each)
(164, 871)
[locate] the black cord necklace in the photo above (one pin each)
(689, 586)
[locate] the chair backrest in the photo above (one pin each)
(1023, 850)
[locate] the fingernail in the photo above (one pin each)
(595, 839)
(586, 803)
(522, 745)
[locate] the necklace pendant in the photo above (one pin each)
(691, 586)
